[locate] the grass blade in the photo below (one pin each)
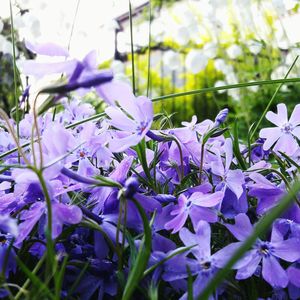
(149, 50)
(35, 279)
(132, 51)
(227, 87)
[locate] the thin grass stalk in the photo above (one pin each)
(132, 50)
(227, 87)
(14, 69)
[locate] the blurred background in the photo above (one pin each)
(189, 44)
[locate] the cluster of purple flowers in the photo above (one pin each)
(196, 194)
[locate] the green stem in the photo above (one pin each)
(132, 51)
(149, 51)
(14, 68)
(27, 282)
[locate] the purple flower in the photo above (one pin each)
(286, 131)
(7, 254)
(293, 272)
(267, 193)
(61, 214)
(207, 263)
(221, 117)
(231, 179)
(267, 252)
(198, 206)
(133, 119)
(189, 132)
(8, 225)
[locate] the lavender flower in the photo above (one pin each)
(198, 206)
(266, 251)
(134, 124)
(283, 136)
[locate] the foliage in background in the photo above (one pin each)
(190, 49)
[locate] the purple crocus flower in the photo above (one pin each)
(266, 252)
(286, 131)
(198, 206)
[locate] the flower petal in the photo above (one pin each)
(271, 135)
(242, 227)
(286, 144)
(295, 117)
(288, 250)
(250, 268)
(208, 200)
(273, 273)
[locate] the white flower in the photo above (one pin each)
(117, 67)
(231, 78)
(196, 61)
(234, 94)
(234, 51)
(292, 55)
(172, 59)
(210, 50)
(254, 47)
(182, 35)
(220, 65)
(279, 72)
(220, 83)
(253, 88)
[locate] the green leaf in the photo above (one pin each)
(34, 279)
(190, 295)
(141, 152)
(59, 277)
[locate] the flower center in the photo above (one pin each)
(189, 204)
(206, 265)
(82, 153)
(265, 249)
(3, 239)
(142, 127)
(287, 128)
